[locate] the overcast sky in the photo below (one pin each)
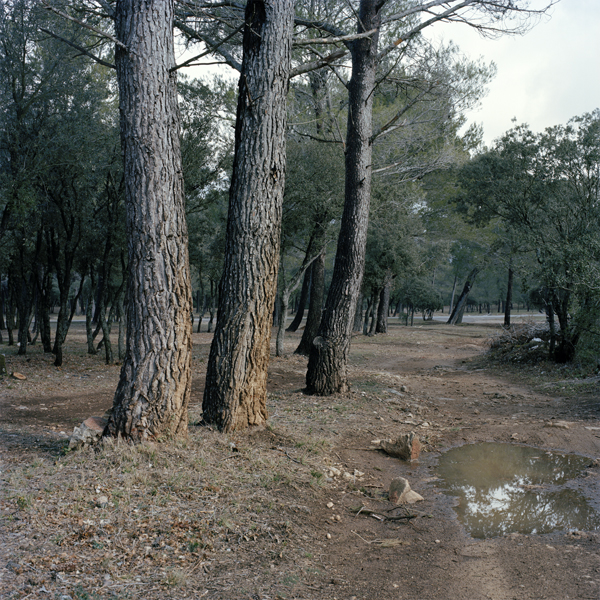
(545, 77)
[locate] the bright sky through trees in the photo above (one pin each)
(546, 76)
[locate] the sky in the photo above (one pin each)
(544, 77)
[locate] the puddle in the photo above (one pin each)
(506, 488)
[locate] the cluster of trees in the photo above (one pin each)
(372, 109)
(540, 192)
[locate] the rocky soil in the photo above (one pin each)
(298, 509)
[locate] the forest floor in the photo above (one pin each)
(261, 514)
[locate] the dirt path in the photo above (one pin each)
(284, 524)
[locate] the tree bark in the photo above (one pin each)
(328, 358)
(315, 305)
(152, 397)
(301, 302)
(457, 313)
(509, 289)
(383, 309)
(236, 380)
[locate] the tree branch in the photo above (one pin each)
(79, 48)
(198, 36)
(210, 51)
(83, 24)
(334, 40)
(317, 64)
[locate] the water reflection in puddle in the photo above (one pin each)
(505, 488)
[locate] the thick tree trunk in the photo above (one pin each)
(509, 289)
(328, 358)
(457, 313)
(236, 380)
(152, 397)
(302, 301)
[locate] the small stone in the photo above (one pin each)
(338, 518)
(437, 541)
(330, 505)
(401, 493)
(328, 536)
(358, 473)
(404, 389)
(103, 501)
(19, 376)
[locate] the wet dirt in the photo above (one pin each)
(451, 397)
(506, 488)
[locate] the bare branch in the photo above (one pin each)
(318, 64)
(189, 62)
(79, 48)
(211, 44)
(334, 40)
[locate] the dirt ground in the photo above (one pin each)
(271, 513)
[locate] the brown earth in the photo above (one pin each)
(260, 514)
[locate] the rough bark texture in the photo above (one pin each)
(154, 389)
(329, 353)
(236, 378)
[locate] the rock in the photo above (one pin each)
(19, 376)
(88, 433)
(330, 505)
(559, 424)
(400, 492)
(102, 502)
(406, 447)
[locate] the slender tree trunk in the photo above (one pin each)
(509, 289)
(315, 305)
(236, 379)
(152, 397)
(374, 312)
(451, 308)
(302, 301)
(368, 313)
(383, 309)
(456, 315)
(328, 358)
(358, 315)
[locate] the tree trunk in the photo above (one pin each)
(358, 315)
(328, 358)
(236, 380)
(457, 313)
(154, 389)
(315, 305)
(374, 311)
(509, 289)
(302, 301)
(451, 308)
(383, 309)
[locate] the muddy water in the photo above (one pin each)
(506, 488)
